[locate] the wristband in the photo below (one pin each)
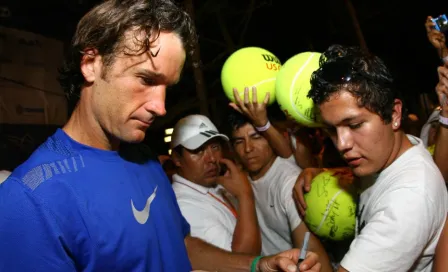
(443, 120)
(264, 128)
(253, 267)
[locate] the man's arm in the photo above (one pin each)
(207, 257)
(299, 227)
(441, 149)
(204, 256)
(314, 245)
(246, 236)
(303, 149)
(279, 143)
(257, 113)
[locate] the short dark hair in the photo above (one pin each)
(235, 120)
(103, 28)
(362, 74)
(179, 150)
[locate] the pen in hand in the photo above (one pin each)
(304, 248)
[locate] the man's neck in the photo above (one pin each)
(85, 129)
(401, 145)
(260, 173)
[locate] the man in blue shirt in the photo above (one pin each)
(80, 203)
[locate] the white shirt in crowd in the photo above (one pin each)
(402, 211)
(276, 210)
(210, 219)
(4, 174)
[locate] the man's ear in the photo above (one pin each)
(397, 114)
(90, 64)
(176, 159)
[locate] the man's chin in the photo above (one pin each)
(137, 136)
(211, 181)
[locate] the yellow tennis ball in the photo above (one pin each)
(331, 210)
(248, 67)
(431, 149)
(293, 85)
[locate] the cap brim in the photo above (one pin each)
(200, 139)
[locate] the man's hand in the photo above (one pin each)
(253, 110)
(287, 261)
(234, 180)
(436, 38)
(303, 183)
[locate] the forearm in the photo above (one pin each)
(441, 151)
(317, 247)
(204, 256)
(443, 52)
(314, 245)
(304, 157)
(278, 142)
(247, 237)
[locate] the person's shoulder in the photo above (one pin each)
(51, 159)
(287, 166)
(284, 171)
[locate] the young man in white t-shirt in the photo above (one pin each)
(256, 144)
(403, 199)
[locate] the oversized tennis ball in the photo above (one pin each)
(293, 85)
(331, 210)
(431, 149)
(248, 67)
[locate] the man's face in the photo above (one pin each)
(126, 96)
(253, 150)
(200, 166)
(362, 138)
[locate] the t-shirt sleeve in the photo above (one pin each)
(396, 234)
(30, 239)
(288, 204)
(186, 230)
(185, 226)
(207, 226)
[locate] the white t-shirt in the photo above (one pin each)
(401, 214)
(209, 219)
(276, 210)
(4, 174)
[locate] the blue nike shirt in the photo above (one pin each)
(71, 207)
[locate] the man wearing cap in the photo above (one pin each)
(201, 191)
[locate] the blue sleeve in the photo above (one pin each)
(30, 239)
(185, 226)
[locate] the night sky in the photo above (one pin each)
(393, 29)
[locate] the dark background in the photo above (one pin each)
(392, 29)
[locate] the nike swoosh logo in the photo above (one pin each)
(143, 215)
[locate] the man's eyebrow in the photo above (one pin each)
(149, 73)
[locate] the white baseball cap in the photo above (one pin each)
(193, 131)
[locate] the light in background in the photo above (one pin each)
(167, 138)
